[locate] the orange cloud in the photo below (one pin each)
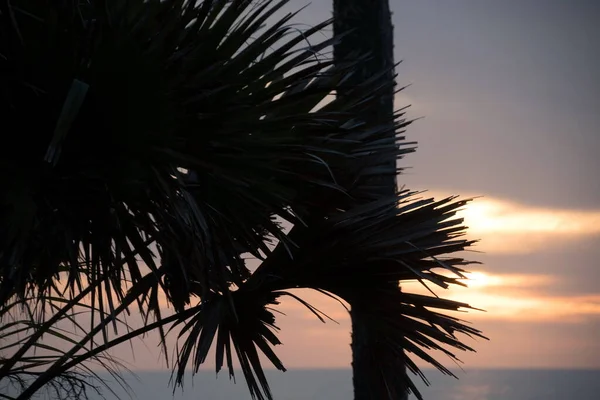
(525, 328)
(516, 297)
(509, 227)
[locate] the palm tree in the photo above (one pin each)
(153, 145)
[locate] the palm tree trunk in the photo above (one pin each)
(378, 374)
(367, 26)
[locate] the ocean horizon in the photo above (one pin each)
(335, 384)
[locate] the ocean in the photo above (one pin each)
(331, 384)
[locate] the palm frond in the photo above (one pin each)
(30, 344)
(248, 329)
(363, 253)
(126, 96)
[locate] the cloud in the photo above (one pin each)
(508, 227)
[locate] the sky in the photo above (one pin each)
(509, 92)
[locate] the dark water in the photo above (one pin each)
(336, 385)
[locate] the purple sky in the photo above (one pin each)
(509, 91)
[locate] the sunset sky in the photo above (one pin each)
(510, 93)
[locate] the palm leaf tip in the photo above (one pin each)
(247, 331)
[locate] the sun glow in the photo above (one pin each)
(514, 297)
(481, 279)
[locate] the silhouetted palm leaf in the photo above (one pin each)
(30, 343)
(129, 94)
